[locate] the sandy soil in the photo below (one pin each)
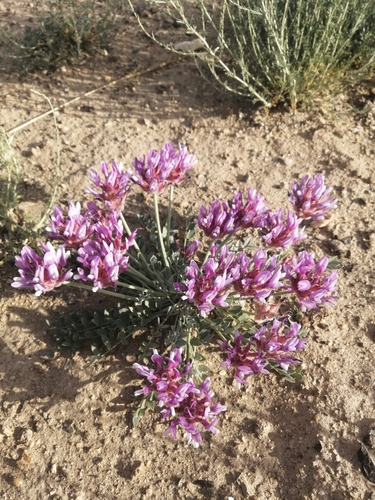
(66, 432)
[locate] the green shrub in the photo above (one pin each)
(281, 50)
(65, 31)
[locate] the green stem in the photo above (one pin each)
(100, 290)
(218, 332)
(141, 277)
(139, 252)
(160, 234)
(169, 216)
(140, 288)
(188, 345)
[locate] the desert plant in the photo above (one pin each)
(9, 176)
(16, 230)
(250, 297)
(66, 30)
(280, 50)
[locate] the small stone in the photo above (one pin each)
(26, 455)
(17, 482)
(130, 358)
(79, 398)
(26, 436)
(53, 469)
(7, 431)
(288, 161)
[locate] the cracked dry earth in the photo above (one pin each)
(66, 432)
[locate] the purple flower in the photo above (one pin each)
(219, 220)
(308, 282)
(74, 229)
(162, 168)
(310, 198)
(281, 233)
(42, 273)
(191, 248)
(182, 162)
(114, 188)
(183, 403)
(257, 278)
(195, 408)
(254, 212)
(166, 380)
(252, 356)
(101, 263)
(208, 287)
(103, 258)
(243, 358)
(224, 218)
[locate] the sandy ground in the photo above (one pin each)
(66, 432)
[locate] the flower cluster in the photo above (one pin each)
(42, 273)
(275, 342)
(113, 191)
(208, 287)
(183, 403)
(158, 169)
(311, 198)
(280, 232)
(259, 276)
(225, 218)
(308, 282)
(96, 235)
(75, 228)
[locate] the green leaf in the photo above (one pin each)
(204, 368)
(334, 263)
(196, 341)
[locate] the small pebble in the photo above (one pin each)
(17, 482)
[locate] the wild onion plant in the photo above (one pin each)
(293, 51)
(184, 292)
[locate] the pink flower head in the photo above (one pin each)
(161, 168)
(196, 408)
(257, 277)
(74, 229)
(104, 258)
(224, 218)
(208, 287)
(115, 187)
(166, 379)
(280, 232)
(101, 263)
(182, 162)
(311, 198)
(269, 343)
(308, 282)
(191, 248)
(219, 220)
(42, 273)
(253, 213)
